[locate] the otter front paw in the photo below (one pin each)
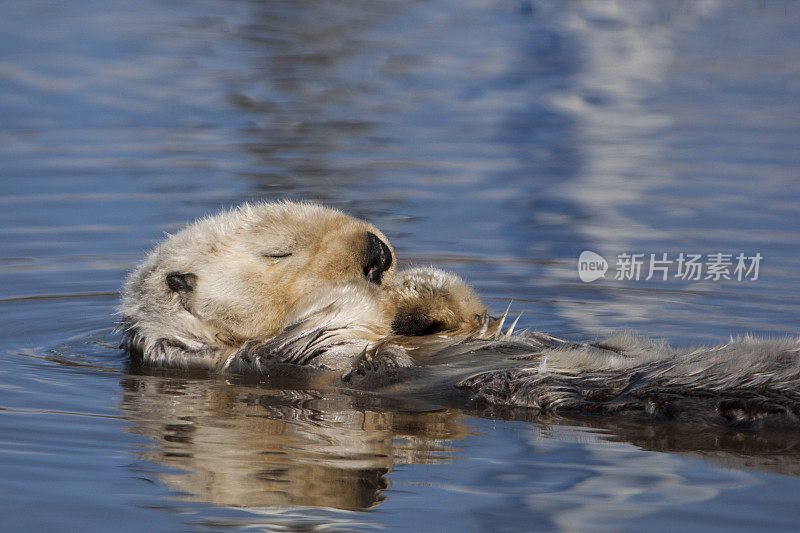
(176, 354)
(381, 363)
(426, 301)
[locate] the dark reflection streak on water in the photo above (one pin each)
(120, 197)
(132, 257)
(775, 451)
(499, 259)
(299, 99)
(75, 361)
(58, 413)
(12, 299)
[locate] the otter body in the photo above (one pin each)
(301, 290)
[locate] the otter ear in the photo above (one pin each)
(181, 283)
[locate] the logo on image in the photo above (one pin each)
(591, 266)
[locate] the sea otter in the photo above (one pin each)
(304, 290)
(268, 277)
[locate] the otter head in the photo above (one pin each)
(243, 274)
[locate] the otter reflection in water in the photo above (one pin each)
(250, 446)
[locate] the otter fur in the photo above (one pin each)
(298, 289)
(429, 300)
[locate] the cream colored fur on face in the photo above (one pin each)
(279, 274)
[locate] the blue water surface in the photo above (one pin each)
(495, 139)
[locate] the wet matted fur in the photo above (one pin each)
(746, 382)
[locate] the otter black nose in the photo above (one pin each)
(378, 260)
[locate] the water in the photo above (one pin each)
(494, 139)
